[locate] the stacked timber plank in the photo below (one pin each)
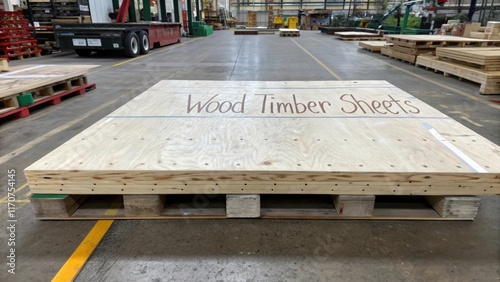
(373, 46)
(246, 140)
(289, 32)
(490, 31)
(408, 47)
(252, 19)
(480, 65)
(246, 32)
(45, 83)
(358, 36)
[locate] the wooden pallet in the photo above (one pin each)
(289, 32)
(29, 77)
(91, 207)
(489, 80)
(47, 95)
(245, 32)
(231, 137)
(392, 53)
(4, 65)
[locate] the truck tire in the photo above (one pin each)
(132, 45)
(144, 39)
(83, 52)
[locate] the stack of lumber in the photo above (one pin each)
(490, 31)
(246, 32)
(252, 19)
(358, 35)
(373, 46)
(480, 65)
(291, 32)
(245, 139)
(15, 37)
(408, 47)
(44, 82)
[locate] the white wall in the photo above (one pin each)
(99, 11)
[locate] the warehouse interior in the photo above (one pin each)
(233, 140)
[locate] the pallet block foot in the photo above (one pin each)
(352, 205)
(243, 206)
(143, 205)
(58, 206)
(23, 113)
(455, 206)
(55, 101)
(4, 65)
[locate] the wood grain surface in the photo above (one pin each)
(271, 137)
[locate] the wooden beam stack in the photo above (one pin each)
(480, 65)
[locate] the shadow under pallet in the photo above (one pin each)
(217, 206)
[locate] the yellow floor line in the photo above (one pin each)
(162, 50)
(471, 121)
(3, 200)
(317, 61)
(57, 130)
(77, 260)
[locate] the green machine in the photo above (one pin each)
(200, 28)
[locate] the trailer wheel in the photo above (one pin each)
(144, 39)
(132, 45)
(83, 52)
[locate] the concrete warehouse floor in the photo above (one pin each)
(248, 250)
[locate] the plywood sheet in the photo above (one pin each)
(270, 137)
(356, 34)
(424, 37)
(29, 77)
(481, 56)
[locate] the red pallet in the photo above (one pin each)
(52, 100)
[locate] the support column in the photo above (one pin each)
(190, 16)
(132, 12)
(146, 10)
(163, 10)
(116, 5)
(198, 16)
(177, 12)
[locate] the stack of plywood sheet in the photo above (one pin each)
(481, 65)
(490, 31)
(408, 47)
(354, 140)
(373, 46)
(252, 19)
(358, 35)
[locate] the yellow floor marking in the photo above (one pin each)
(2, 200)
(75, 263)
(471, 121)
(446, 107)
(317, 61)
(455, 112)
(154, 53)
